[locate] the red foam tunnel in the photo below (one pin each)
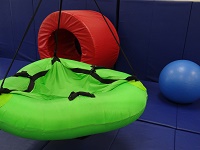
(83, 36)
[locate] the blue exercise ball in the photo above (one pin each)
(179, 81)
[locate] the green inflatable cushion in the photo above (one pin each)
(68, 99)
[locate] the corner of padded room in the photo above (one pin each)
(151, 34)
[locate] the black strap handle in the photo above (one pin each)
(73, 95)
(22, 74)
(93, 73)
(5, 91)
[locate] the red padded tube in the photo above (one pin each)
(98, 46)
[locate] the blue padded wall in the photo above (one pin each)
(108, 8)
(20, 20)
(45, 9)
(135, 19)
(168, 33)
(149, 30)
(74, 4)
(15, 18)
(6, 31)
(192, 45)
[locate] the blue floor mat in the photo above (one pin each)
(189, 117)
(11, 142)
(158, 108)
(187, 141)
(94, 142)
(144, 136)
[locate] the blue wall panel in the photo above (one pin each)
(21, 13)
(108, 8)
(74, 4)
(45, 9)
(192, 47)
(168, 33)
(6, 31)
(149, 30)
(135, 19)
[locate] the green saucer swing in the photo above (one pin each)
(54, 99)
